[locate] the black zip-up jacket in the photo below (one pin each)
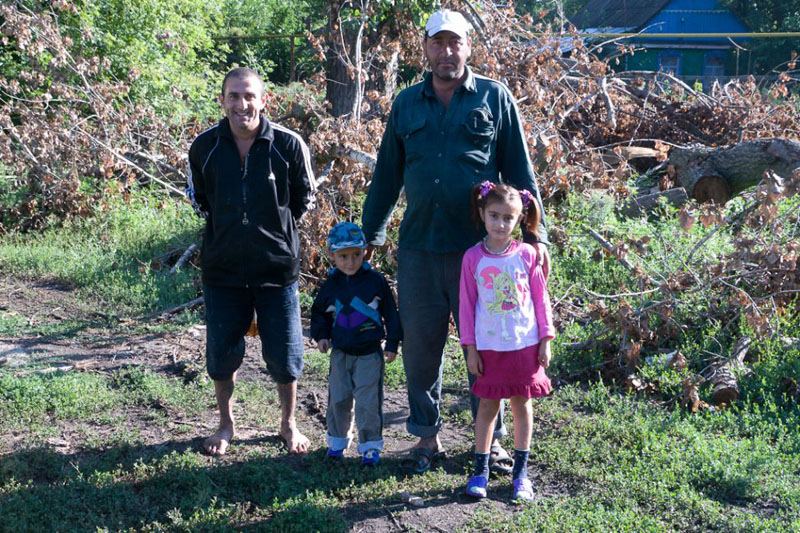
(352, 311)
(250, 209)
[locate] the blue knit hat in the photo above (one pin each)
(346, 235)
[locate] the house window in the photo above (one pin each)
(714, 65)
(669, 62)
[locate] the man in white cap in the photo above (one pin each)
(444, 135)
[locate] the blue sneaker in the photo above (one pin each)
(334, 455)
(371, 457)
(476, 487)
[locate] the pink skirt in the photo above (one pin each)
(507, 374)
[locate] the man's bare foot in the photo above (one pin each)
(217, 444)
(295, 441)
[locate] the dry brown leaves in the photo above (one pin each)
(67, 123)
(575, 110)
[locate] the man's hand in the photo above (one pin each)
(368, 252)
(542, 258)
(544, 353)
(323, 345)
(390, 356)
(474, 361)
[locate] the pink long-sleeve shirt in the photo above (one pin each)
(504, 303)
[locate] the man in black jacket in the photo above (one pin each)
(251, 180)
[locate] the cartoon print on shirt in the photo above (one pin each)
(506, 296)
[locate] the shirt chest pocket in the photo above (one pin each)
(413, 138)
(479, 130)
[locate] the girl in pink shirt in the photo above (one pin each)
(506, 325)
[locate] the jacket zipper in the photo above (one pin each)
(244, 191)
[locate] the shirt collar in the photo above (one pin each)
(265, 131)
(468, 85)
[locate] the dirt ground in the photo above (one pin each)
(181, 354)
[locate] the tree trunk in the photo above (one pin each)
(638, 205)
(345, 57)
(717, 174)
(726, 386)
(340, 90)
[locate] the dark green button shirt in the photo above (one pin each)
(438, 155)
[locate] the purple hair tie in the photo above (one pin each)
(486, 186)
(526, 197)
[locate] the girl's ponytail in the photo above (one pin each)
(531, 215)
(478, 200)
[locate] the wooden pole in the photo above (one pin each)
(291, 68)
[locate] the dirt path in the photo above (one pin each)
(89, 347)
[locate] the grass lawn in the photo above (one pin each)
(102, 413)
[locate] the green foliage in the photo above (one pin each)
(139, 386)
(29, 399)
(627, 466)
(113, 256)
(271, 56)
(769, 16)
(550, 10)
(167, 47)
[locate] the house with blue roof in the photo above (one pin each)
(701, 58)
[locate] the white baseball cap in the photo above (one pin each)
(447, 20)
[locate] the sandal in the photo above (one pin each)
(499, 460)
(418, 461)
(476, 486)
(523, 490)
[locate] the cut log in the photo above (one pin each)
(629, 154)
(726, 386)
(173, 310)
(717, 174)
(639, 205)
(362, 158)
(186, 255)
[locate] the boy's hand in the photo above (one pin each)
(544, 353)
(390, 356)
(323, 345)
(474, 361)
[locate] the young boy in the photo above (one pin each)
(349, 315)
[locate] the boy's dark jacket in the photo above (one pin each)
(348, 311)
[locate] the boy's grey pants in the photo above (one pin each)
(359, 379)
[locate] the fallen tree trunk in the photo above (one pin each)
(717, 174)
(186, 255)
(639, 205)
(362, 158)
(723, 379)
(173, 310)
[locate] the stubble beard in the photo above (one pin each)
(449, 74)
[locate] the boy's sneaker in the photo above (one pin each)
(334, 455)
(371, 457)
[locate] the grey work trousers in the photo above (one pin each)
(427, 294)
(355, 379)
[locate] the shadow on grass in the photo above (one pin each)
(172, 484)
